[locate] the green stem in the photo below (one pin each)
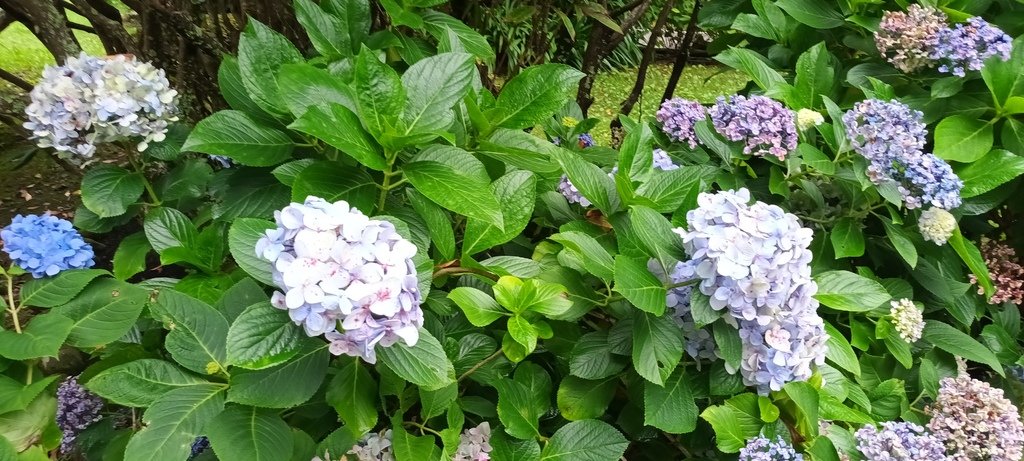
(459, 270)
(481, 364)
(386, 186)
(12, 307)
(140, 169)
(421, 427)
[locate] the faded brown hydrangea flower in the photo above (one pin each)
(1005, 270)
(976, 422)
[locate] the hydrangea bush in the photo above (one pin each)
(372, 256)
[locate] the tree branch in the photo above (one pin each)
(14, 79)
(645, 62)
(683, 50)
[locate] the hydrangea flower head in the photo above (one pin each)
(807, 119)
(45, 245)
(967, 46)
(976, 422)
(678, 117)
(763, 124)
(754, 261)
(200, 445)
(907, 40)
(1005, 271)
(474, 444)
(373, 447)
(333, 264)
(77, 409)
(91, 100)
(700, 343)
(899, 441)
(762, 448)
(907, 320)
(585, 140)
(936, 225)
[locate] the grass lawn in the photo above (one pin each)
(23, 55)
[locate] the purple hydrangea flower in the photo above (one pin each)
(474, 444)
(976, 422)
(200, 445)
(891, 136)
(763, 124)
(77, 409)
(585, 140)
(907, 40)
(334, 264)
(45, 245)
(899, 441)
(373, 447)
(754, 261)
(678, 117)
(762, 448)
(967, 46)
(700, 344)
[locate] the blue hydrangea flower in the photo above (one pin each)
(678, 116)
(763, 124)
(967, 46)
(762, 448)
(44, 245)
(700, 344)
(199, 445)
(77, 409)
(899, 441)
(585, 140)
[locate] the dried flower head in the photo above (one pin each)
(907, 319)
(907, 40)
(1005, 270)
(899, 441)
(764, 125)
(45, 245)
(678, 117)
(976, 422)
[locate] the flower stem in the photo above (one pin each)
(481, 364)
(459, 270)
(12, 307)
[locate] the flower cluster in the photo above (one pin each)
(936, 225)
(907, 320)
(899, 441)
(700, 344)
(45, 245)
(891, 136)
(807, 119)
(754, 260)
(474, 444)
(967, 46)
(77, 409)
(907, 40)
(334, 264)
(583, 141)
(976, 422)
(91, 100)
(373, 447)
(1005, 270)
(199, 445)
(764, 125)
(678, 117)
(660, 160)
(762, 448)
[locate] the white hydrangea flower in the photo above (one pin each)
(334, 264)
(907, 319)
(936, 225)
(91, 100)
(807, 119)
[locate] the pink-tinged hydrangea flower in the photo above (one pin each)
(754, 261)
(936, 225)
(660, 160)
(678, 117)
(976, 422)
(899, 441)
(967, 46)
(372, 447)
(77, 409)
(891, 136)
(762, 448)
(907, 319)
(333, 264)
(763, 124)
(700, 344)
(1005, 270)
(45, 245)
(92, 100)
(907, 40)
(474, 444)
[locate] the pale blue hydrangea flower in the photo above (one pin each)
(763, 124)
(678, 117)
(45, 245)
(334, 264)
(373, 447)
(967, 46)
(700, 343)
(891, 136)
(474, 444)
(762, 448)
(754, 261)
(899, 441)
(91, 100)
(77, 409)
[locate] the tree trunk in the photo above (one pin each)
(645, 62)
(683, 53)
(48, 23)
(602, 41)
(111, 32)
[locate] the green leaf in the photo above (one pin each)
(592, 357)
(1004, 78)
(516, 409)
(595, 257)
(847, 238)
(453, 190)
(973, 259)
(805, 397)
(15, 396)
(846, 291)
(901, 240)
(141, 382)
(438, 222)
(586, 440)
(130, 257)
(435, 84)
(638, 285)
(229, 79)
(169, 228)
(815, 158)
(59, 289)
(516, 193)
(250, 195)
(815, 75)
(107, 190)
(656, 236)
(657, 347)
(103, 313)
(355, 14)
(533, 95)
(19, 430)
(671, 407)
(480, 308)
(896, 346)
(994, 169)
(668, 190)
(174, 421)
(441, 25)
(235, 135)
(303, 86)
(262, 336)
(754, 65)
(197, 336)
(340, 128)
(424, 364)
(333, 182)
(813, 13)
(42, 337)
(959, 344)
(962, 138)
(379, 93)
(283, 386)
(703, 313)
(435, 403)
(734, 422)
(1012, 135)
(411, 448)
(729, 344)
(592, 182)
(520, 149)
(242, 238)
(261, 52)
(840, 352)
(327, 33)
(506, 448)
(243, 433)
(523, 332)
(584, 399)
